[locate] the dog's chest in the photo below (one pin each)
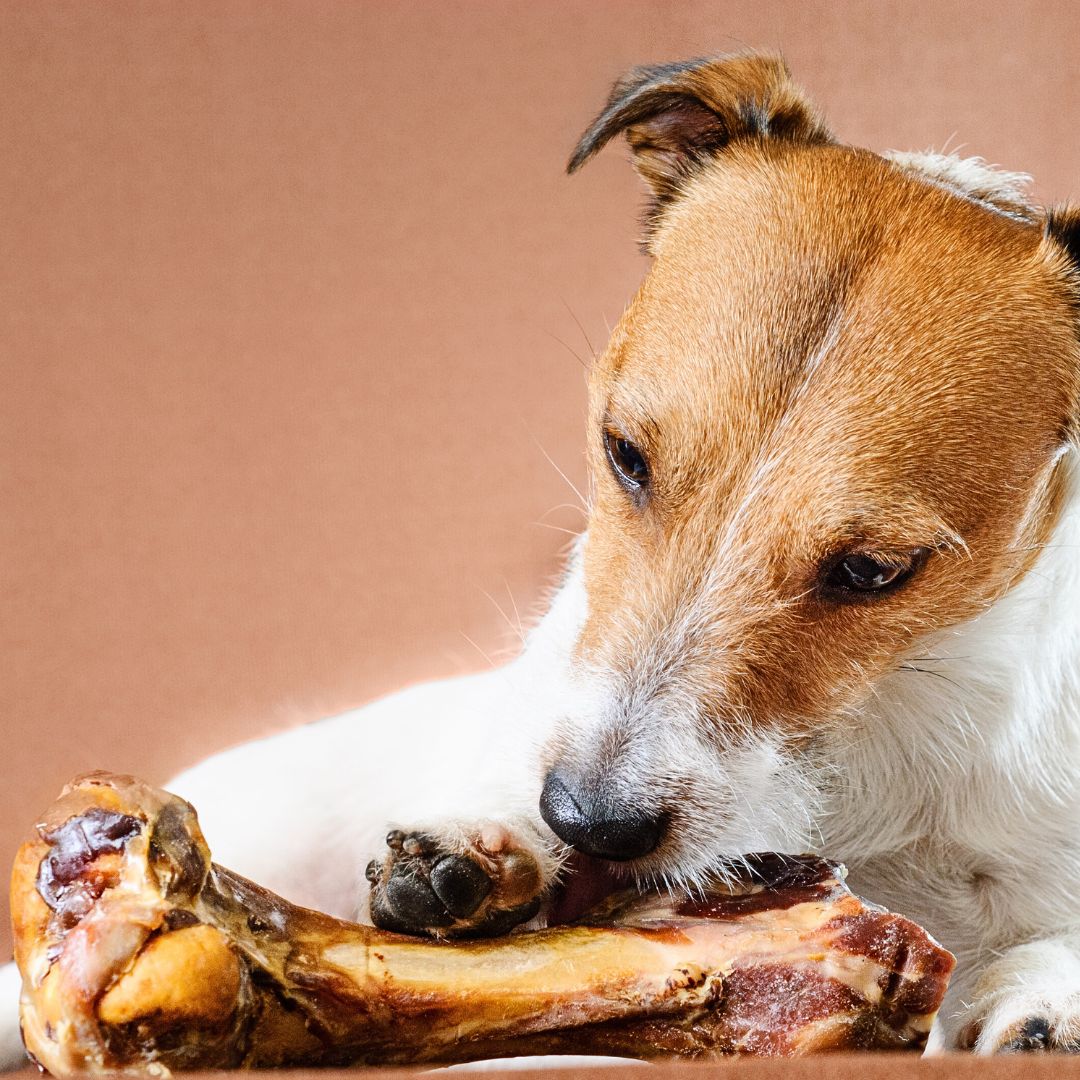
(978, 854)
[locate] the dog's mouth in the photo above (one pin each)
(586, 882)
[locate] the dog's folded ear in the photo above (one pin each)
(1063, 227)
(1063, 230)
(677, 116)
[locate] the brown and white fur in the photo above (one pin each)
(835, 352)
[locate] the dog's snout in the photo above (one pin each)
(598, 826)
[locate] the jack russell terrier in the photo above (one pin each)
(828, 599)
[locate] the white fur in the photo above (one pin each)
(973, 178)
(961, 800)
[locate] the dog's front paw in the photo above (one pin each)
(1040, 1028)
(475, 882)
(1029, 1000)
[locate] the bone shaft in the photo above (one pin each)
(139, 955)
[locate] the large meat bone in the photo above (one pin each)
(138, 956)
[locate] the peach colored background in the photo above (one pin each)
(289, 294)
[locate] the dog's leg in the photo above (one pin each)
(304, 812)
(1028, 999)
(478, 859)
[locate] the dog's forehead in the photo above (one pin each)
(862, 310)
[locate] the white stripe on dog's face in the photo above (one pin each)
(836, 375)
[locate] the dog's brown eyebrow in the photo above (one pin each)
(905, 525)
(640, 429)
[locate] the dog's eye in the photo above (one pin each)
(626, 459)
(861, 575)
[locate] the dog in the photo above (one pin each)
(828, 598)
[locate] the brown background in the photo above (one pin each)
(289, 296)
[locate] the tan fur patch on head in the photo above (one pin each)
(829, 354)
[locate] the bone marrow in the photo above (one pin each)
(139, 955)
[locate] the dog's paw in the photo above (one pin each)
(1028, 1001)
(1038, 1033)
(1045, 1029)
(473, 882)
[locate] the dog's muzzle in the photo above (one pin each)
(596, 825)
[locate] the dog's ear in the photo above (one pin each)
(1063, 226)
(1063, 230)
(677, 116)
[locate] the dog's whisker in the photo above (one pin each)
(556, 528)
(487, 656)
(928, 671)
(554, 337)
(570, 483)
(577, 322)
(576, 507)
(515, 627)
(517, 613)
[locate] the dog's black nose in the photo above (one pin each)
(596, 826)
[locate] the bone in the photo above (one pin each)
(140, 956)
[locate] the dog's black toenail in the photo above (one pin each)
(460, 884)
(1034, 1035)
(394, 839)
(1036, 1029)
(414, 904)
(372, 873)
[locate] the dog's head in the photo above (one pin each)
(826, 427)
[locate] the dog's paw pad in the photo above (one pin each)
(481, 887)
(460, 884)
(414, 903)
